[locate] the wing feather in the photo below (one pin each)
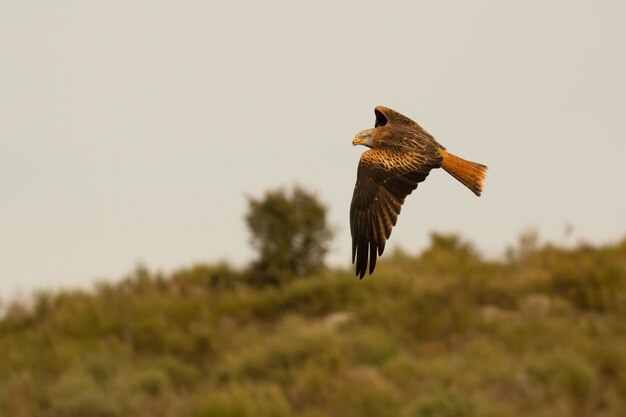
(383, 182)
(385, 116)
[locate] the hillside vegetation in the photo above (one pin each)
(445, 333)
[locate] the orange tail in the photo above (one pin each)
(470, 174)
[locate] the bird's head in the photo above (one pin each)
(365, 138)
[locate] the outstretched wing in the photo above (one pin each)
(384, 179)
(386, 116)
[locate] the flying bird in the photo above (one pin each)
(401, 156)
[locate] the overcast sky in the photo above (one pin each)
(131, 131)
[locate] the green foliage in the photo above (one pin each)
(289, 232)
(443, 404)
(241, 401)
(442, 334)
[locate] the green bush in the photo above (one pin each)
(442, 333)
(241, 401)
(442, 404)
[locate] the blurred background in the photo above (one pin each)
(140, 140)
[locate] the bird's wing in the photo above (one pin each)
(384, 179)
(385, 116)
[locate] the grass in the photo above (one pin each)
(445, 333)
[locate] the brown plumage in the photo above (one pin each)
(401, 156)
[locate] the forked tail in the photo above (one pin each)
(470, 174)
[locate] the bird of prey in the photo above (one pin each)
(401, 156)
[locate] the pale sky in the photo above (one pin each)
(131, 131)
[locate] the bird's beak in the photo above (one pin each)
(356, 141)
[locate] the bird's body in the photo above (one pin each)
(401, 156)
